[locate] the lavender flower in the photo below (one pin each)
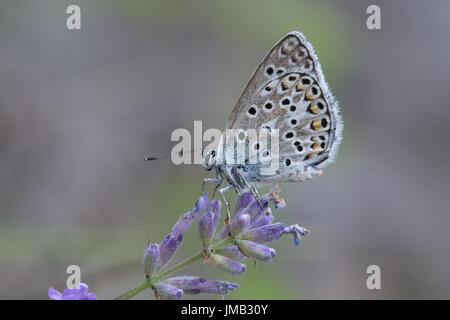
(196, 285)
(252, 224)
(173, 240)
(255, 250)
(259, 212)
(167, 292)
(265, 233)
(240, 224)
(227, 264)
(80, 293)
(232, 253)
(151, 258)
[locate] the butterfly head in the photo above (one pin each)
(209, 160)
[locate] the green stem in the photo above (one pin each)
(132, 292)
(149, 282)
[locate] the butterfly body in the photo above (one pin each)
(287, 94)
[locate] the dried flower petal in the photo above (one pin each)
(297, 231)
(272, 196)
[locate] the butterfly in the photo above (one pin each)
(287, 94)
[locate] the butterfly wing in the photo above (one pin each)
(288, 92)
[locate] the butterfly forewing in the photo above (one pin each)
(288, 92)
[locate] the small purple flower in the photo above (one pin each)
(240, 224)
(201, 203)
(168, 247)
(151, 258)
(80, 293)
(232, 253)
(206, 228)
(196, 285)
(260, 213)
(263, 219)
(227, 264)
(265, 233)
(255, 250)
(167, 292)
(214, 207)
(173, 240)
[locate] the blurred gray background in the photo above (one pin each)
(80, 109)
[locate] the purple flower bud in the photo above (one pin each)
(297, 231)
(265, 233)
(196, 285)
(168, 247)
(239, 225)
(227, 264)
(167, 292)
(214, 207)
(151, 258)
(201, 203)
(221, 234)
(80, 293)
(232, 253)
(173, 240)
(206, 228)
(262, 219)
(255, 250)
(218, 286)
(244, 200)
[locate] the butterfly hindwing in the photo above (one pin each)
(288, 92)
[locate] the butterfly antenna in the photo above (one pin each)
(166, 156)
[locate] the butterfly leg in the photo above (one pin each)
(250, 187)
(218, 180)
(227, 206)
